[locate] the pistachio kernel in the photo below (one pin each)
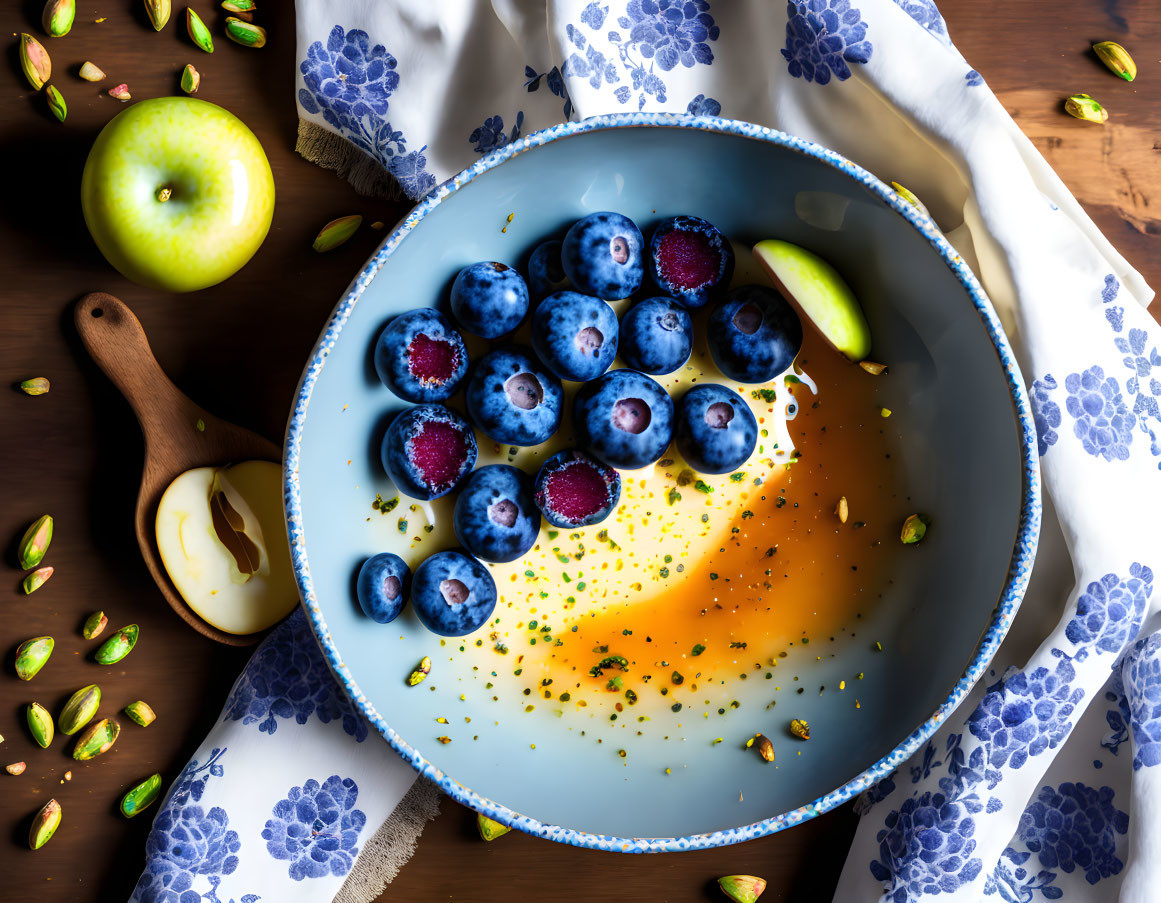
(38, 385)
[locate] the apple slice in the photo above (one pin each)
(222, 539)
(816, 289)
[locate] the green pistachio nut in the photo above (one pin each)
(198, 33)
(1116, 58)
(742, 888)
(34, 543)
(191, 79)
(914, 529)
(245, 33)
(40, 724)
(34, 61)
(1081, 106)
(140, 713)
(58, 17)
(158, 12)
(36, 579)
(36, 386)
(140, 797)
(96, 739)
(489, 829)
(56, 102)
(91, 72)
(239, 6)
(31, 656)
(117, 646)
(44, 825)
(79, 710)
(95, 625)
(336, 232)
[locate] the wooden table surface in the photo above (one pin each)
(238, 349)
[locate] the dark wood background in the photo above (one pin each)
(238, 349)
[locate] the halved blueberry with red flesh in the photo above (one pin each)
(656, 336)
(383, 585)
(420, 357)
(489, 299)
(690, 259)
(575, 335)
(453, 594)
(624, 418)
(545, 272)
(574, 490)
(428, 450)
(513, 398)
(716, 430)
(754, 334)
(496, 518)
(602, 255)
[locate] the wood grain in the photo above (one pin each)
(238, 349)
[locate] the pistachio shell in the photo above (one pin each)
(36, 386)
(742, 888)
(191, 79)
(96, 739)
(489, 829)
(140, 713)
(34, 543)
(79, 710)
(158, 12)
(141, 796)
(1082, 106)
(40, 724)
(117, 646)
(44, 825)
(34, 61)
(58, 17)
(245, 33)
(31, 656)
(336, 232)
(95, 625)
(36, 579)
(1116, 58)
(56, 102)
(91, 72)
(198, 33)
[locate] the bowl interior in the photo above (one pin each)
(963, 461)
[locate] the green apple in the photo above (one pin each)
(222, 539)
(177, 193)
(814, 287)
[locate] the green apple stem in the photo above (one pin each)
(164, 193)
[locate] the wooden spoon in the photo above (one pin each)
(173, 441)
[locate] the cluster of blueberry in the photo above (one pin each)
(624, 419)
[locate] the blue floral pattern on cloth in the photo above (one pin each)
(703, 106)
(1045, 412)
(187, 842)
(1141, 675)
(876, 793)
(491, 134)
(655, 37)
(1025, 714)
(973, 78)
(1144, 382)
(348, 81)
(316, 827)
(1075, 827)
(927, 14)
(288, 678)
(822, 37)
(1016, 884)
(555, 82)
(1109, 612)
(1118, 717)
(1104, 423)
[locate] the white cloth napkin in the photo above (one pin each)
(1025, 792)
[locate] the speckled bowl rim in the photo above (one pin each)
(1010, 597)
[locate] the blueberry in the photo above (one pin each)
(575, 335)
(513, 399)
(496, 517)
(656, 336)
(383, 586)
(545, 274)
(754, 334)
(428, 450)
(489, 299)
(453, 594)
(420, 357)
(716, 430)
(624, 418)
(602, 255)
(690, 259)
(574, 490)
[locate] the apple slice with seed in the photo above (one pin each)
(816, 289)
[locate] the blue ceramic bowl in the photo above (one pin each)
(972, 453)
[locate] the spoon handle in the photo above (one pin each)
(114, 337)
